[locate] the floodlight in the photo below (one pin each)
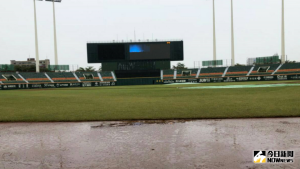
(54, 25)
(37, 60)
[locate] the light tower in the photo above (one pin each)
(214, 33)
(37, 59)
(232, 36)
(54, 25)
(282, 36)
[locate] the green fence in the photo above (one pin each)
(7, 67)
(212, 63)
(137, 81)
(267, 60)
(58, 67)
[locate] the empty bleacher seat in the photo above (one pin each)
(186, 74)
(10, 77)
(83, 76)
(62, 76)
(168, 74)
(212, 72)
(33, 77)
(272, 68)
(288, 68)
(238, 71)
(107, 76)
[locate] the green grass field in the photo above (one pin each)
(149, 102)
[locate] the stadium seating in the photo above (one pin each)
(272, 68)
(16, 79)
(34, 77)
(168, 74)
(82, 77)
(186, 74)
(289, 68)
(62, 76)
(212, 72)
(107, 76)
(238, 71)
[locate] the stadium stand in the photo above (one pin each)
(238, 71)
(88, 76)
(212, 72)
(11, 78)
(62, 76)
(289, 68)
(33, 77)
(186, 74)
(269, 69)
(107, 76)
(168, 74)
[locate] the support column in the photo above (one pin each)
(214, 33)
(282, 36)
(232, 37)
(37, 59)
(55, 40)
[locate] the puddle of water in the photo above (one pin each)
(137, 123)
(239, 86)
(156, 144)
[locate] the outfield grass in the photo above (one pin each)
(149, 102)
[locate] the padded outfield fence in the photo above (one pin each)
(21, 80)
(138, 81)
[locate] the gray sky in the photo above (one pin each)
(257, 27)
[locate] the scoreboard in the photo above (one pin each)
(135, 51)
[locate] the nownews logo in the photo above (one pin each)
(273, 157)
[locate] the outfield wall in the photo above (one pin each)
(148, 81)
(137, 81)
(55, 85)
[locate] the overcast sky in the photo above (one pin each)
(257, 26)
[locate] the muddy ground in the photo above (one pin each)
(197, 144)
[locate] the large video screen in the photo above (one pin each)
(135, 51)
(149, 51)
(111, 52)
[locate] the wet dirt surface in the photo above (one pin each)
(197, 144)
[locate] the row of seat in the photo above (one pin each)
(87, 76)
(10, 78)
(32, 77)
(287, 68)
(107, 76)
(232, 71)
(62, 77)
(192, 73)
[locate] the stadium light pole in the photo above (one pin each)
(54, 25)
(214, 33)
(232, 36)
(37, 59)
(282, 36)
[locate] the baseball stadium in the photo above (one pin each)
(137, 83)
(138, 103)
